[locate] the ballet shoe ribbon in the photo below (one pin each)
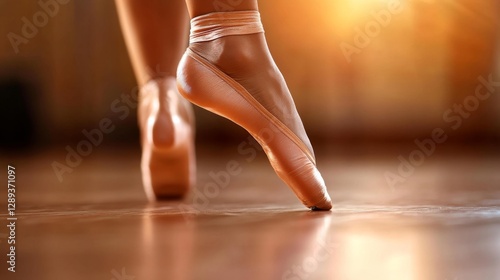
(213, 26)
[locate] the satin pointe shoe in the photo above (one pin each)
(228, 70)
(166, 120)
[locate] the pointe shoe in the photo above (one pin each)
(284, 141)
(167, 139)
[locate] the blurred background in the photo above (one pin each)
(356, 75)
(369, 77)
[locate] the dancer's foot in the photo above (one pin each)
(228, 70)
(167, 136)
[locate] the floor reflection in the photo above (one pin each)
(432, 229)
(272, 246)
(167, 246)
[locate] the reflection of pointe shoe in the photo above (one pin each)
(281, 133)
(167, 136)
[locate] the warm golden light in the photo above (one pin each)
(370, 256)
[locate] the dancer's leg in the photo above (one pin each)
(155, 33)
(228, 70)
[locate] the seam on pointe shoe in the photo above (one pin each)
(247, 96)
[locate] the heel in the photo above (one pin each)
(168, 155)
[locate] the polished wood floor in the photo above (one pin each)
(442, 223)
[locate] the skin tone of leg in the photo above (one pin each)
(155, 33)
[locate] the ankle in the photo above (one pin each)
(229, 39)
(159, 81)
(243, 54)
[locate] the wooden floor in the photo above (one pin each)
(442, 223)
